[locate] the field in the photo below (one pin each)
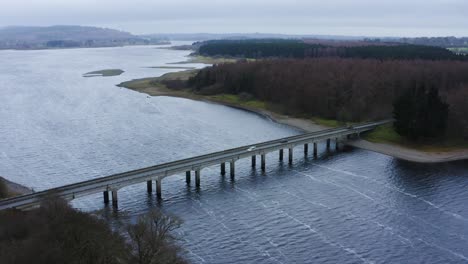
(459, 50)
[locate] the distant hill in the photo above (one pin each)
(19, 37)
(443, 42)
(236, 36)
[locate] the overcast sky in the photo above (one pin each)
(325, 17)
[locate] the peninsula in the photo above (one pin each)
(187, 84)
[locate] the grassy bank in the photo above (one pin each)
(158, 86)
(208, 60)
(158, 82)
(236, 100)
(463, 50)
(327, 122)
(171, 67)
(387, 134)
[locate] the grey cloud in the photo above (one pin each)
(366, 17)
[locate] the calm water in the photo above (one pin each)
(350, 206)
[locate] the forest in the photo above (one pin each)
(341, 88)
(299, 49)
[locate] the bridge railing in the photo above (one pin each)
(120, 180)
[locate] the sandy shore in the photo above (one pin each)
(408, 154)
(15, 189)
(395, 151)
(305, 125)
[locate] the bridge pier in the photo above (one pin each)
(113, 183)
(263, 162)
(149, 186)
(315, 150)
(115, 201)
(233, 168)
(254, 161)
(188, 176)
(158, 188)
(106, 197)
(197, 178)
(306, 149)
(223, 168)
(290, 155)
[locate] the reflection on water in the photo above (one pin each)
(350, 206)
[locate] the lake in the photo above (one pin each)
(347, 206)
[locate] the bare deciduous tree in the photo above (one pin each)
(341, 89)
(152, 240)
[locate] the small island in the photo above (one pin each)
(104, 73)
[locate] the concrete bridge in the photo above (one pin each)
(112, 184)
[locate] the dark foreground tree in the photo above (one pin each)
(3, 189)
(420, 113)
(57, 233)
(458, 111)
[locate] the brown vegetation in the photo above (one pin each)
(341, 89)
(56, 233)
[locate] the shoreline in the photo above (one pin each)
(392, 150)
(15, 189)
(306, 125)
(409, 154)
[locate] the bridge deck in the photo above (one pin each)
(159, 172)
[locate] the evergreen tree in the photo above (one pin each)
(420, 113)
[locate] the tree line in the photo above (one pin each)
(342, 89)
(299, 49)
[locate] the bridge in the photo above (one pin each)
(112, 184)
